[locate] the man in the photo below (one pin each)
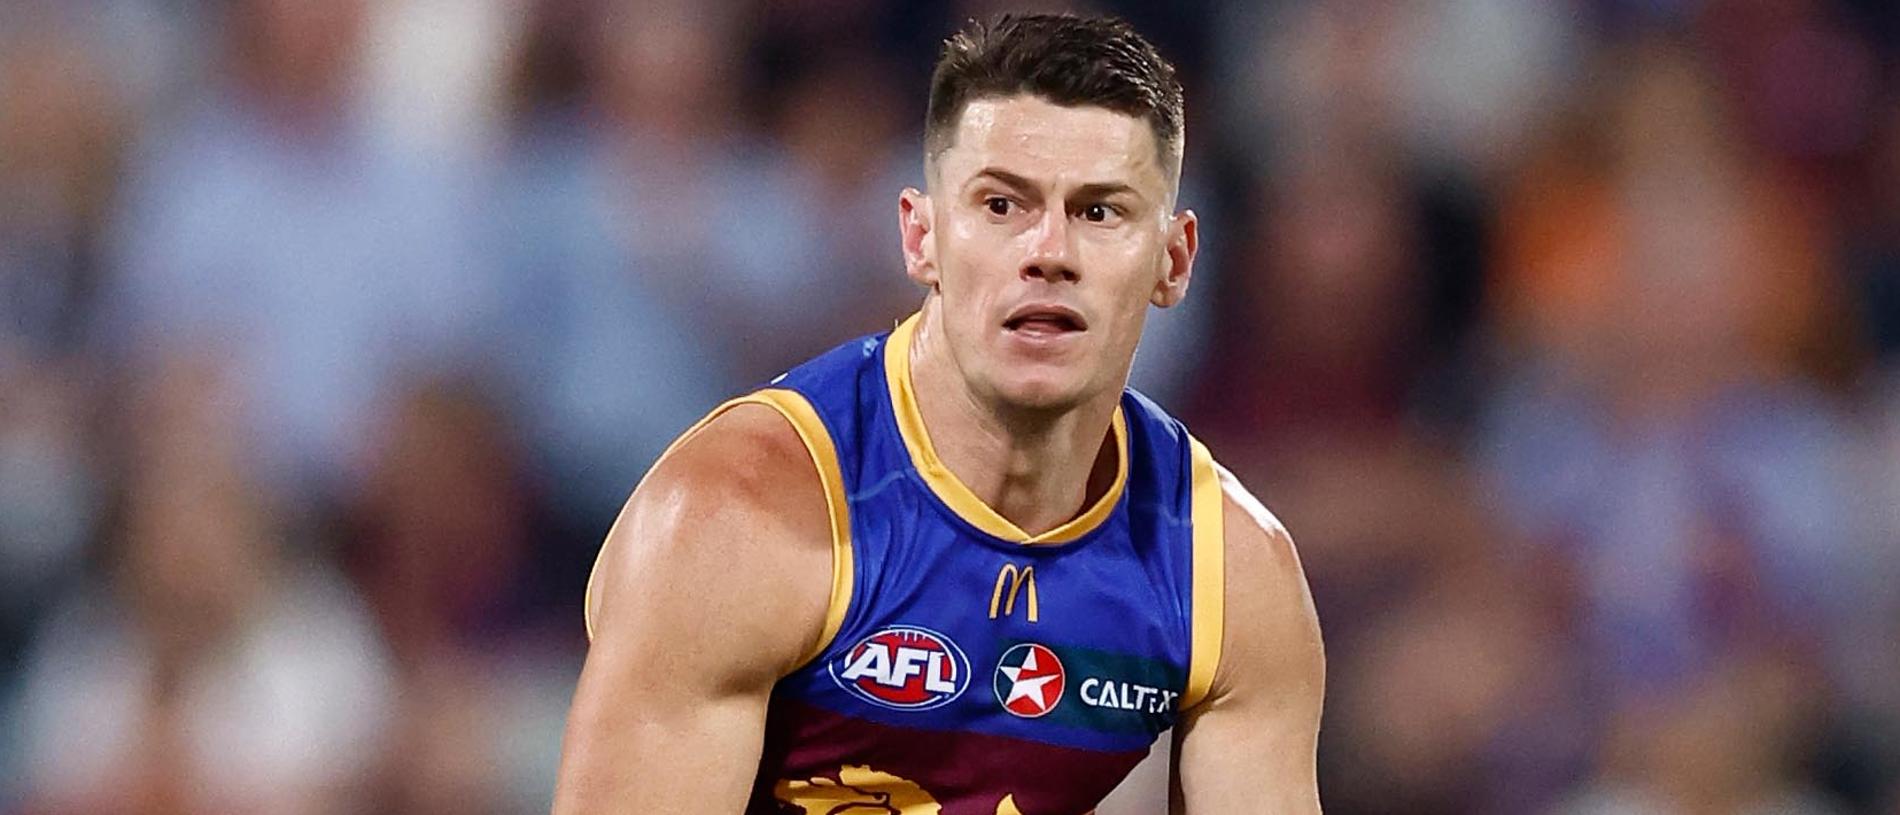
(959, 568)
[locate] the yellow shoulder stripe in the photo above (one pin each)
(1208, 605)
(811, 430)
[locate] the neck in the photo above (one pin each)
(1038, 469)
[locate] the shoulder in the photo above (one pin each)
(734, 522)
(1257, 544)
(1251, 743)
(748, 461)
(1271, 631)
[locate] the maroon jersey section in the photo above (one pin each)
(817, 762)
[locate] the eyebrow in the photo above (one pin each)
(1099, 189)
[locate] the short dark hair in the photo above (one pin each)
(1064, 59)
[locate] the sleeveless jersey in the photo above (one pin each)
(966, 667)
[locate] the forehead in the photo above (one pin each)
(1052, 144)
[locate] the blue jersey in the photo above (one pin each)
(966, 667)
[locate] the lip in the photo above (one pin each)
(1056, 311)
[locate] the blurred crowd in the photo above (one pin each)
(1564, 336)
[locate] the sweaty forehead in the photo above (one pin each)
(1052, 144)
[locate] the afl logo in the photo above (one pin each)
(1029, 680)
(903, 667)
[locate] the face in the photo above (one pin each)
(1047, 233)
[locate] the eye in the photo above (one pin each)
(998, 205)
(1097, 213)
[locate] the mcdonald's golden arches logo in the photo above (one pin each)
(1016, 577)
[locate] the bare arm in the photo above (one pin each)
(1250, 746)
(712, 585)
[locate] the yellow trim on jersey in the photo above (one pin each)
(960, 499)
(1208, 606)
(811, 429)
(824, 455)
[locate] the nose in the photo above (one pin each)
(1050, 256)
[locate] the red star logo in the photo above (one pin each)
(1029, 680)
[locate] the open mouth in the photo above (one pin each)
(1045, 320)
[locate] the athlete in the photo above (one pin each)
(959, 567)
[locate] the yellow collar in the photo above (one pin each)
(953, 492)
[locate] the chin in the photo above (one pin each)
(1024, 390)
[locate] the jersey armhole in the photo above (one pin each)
(1207, 604)
(824, 455)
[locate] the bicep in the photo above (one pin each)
(645, 735)
(1252, 745)
(1248, 755)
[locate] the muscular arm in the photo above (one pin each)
(712, 585)
(1250, 745)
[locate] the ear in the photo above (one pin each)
(1177, 266)
(914, 223)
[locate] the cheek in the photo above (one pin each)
(975, 258)
(971, 275)
(1132, 266)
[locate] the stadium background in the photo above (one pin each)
(1564, 336)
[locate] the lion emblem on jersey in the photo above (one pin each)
(860, 790)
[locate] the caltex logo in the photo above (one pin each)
(1029, 680)
(903, 667)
